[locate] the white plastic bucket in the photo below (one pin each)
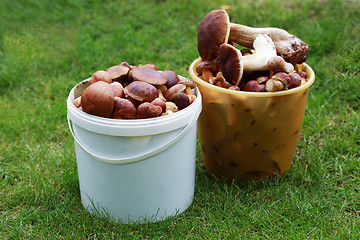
(135, 170)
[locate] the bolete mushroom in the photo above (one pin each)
(231, 63)
(118, 89)
(148, 75)
(118, 72)
(214, 30)
(100, 75)
(148, 110)
(171, 92)
(290, 47)
(141, 91)
(182, 100)
(206, 69)
(254, 86)
(172, 78)
(98, 99)
(123, 109)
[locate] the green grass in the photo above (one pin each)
(46, 47)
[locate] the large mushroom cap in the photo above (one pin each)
(98, 99)
(141, 91)
(148, 75)
(231, 63)
(213, 31)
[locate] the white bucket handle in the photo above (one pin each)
(135, 158)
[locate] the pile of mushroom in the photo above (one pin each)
(134, 92)
(268, 60)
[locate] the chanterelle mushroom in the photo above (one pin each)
(290, 47)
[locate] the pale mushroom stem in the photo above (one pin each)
(290, 47)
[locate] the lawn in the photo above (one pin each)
(46, 47)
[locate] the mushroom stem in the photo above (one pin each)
(206, 74)
(290, 47)
(264, 50)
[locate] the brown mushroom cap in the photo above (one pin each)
(206, 64)
(98, 99)
(148, 110)
(230, 63)
(159, 102)
(100, 75)
(181, 100)
(149, 65)
(213, 31)
(254, 86)
(276, 64)
(171, 92)
(118, 72)
(141, 91)
(172, 78)
(123, 109)
(118, 89)
(148, 75)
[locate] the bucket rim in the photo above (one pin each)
(307, 68)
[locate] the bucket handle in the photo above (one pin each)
(134, 158)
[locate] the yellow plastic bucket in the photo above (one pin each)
(249, 135)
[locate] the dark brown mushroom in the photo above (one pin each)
(98, 99)
(181, 100)
(141, 91)
(231, 63)
(123, 109)
(213, 31)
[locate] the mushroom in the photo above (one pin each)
(149, 66)
(172, 78)
(231, 63)
(278, 82)
(171, 108)
(206, 69)
(159, 102)
(98, 99)
(171, 92)
(278, 64)
(118, 89)
(100, 75)
(77, 102)
(141, 91)
(254, 86)
(148, 110)
(181, 100)
(118, 72)
(290, 47)
(213, 31)
(123, 109)
(295, 80)
(148, 75)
